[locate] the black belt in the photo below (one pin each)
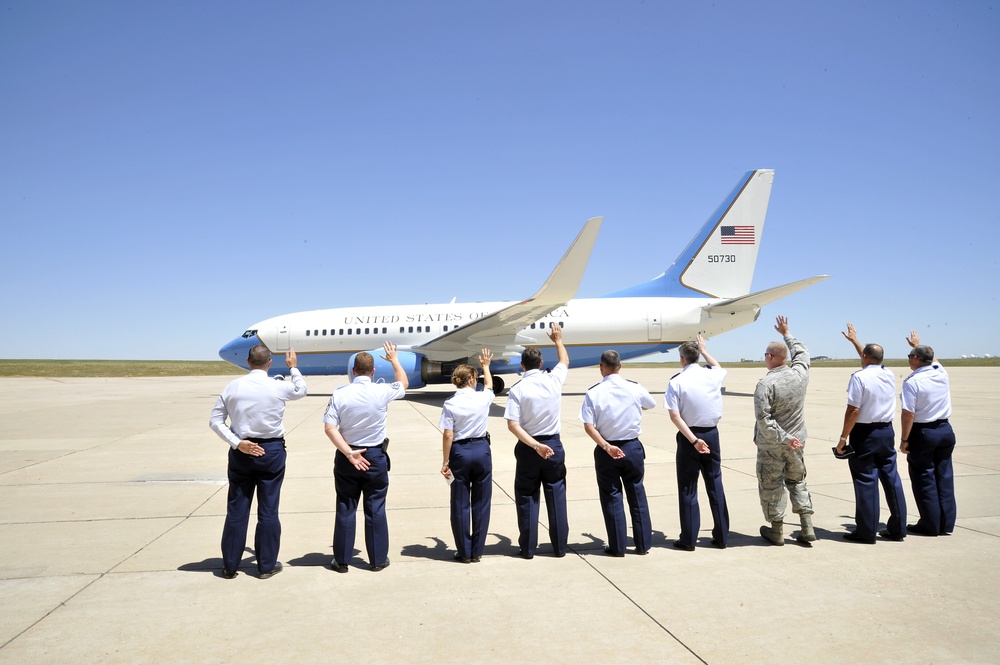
(942, 421)
(874, 425)
(703, 429)
(545, 437)
(384, 445)
(622, 442)
(462, 442)
(279, 439)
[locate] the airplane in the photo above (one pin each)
(706, 290)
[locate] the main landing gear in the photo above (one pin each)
(498, 385)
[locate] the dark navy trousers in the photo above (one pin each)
(620, 479)
(471, 492)
(874, 461)
(932, 476)
(351, 485)
(263, 475)
(532, 473)
(691, 464)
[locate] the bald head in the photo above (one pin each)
(775, 355)
(873, 354)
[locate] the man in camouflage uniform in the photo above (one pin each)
(780, 434)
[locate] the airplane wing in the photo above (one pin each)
(500, 329)
(761, 298)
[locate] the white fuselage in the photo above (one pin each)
(632, 326)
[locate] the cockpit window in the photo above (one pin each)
(250, 333)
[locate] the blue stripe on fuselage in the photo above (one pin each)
(324, 364)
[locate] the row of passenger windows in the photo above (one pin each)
(324, 332)
(366, 331)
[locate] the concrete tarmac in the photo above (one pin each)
(113, 493)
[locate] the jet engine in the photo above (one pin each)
(419, 370)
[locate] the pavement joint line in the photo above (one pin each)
(640, 608)
(98, 577)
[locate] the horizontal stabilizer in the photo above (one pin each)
(761, 298)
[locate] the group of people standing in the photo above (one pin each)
(611, 414)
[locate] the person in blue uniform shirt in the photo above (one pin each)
(467, 462)
(694, 402)
(254, 404)
(355, 424)
(928, 441)
(611, 415)
(871, 404)
(533, 408)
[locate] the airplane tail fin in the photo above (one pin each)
(719, 261)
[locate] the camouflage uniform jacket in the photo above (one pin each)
(779, 400)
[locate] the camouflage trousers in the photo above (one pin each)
(778, 469)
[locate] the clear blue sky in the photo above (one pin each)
(173, 172)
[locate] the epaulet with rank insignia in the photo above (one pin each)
(631, 381)
(595, 385)
(675, 376)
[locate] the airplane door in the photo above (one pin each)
(282, 343)
(654, 327)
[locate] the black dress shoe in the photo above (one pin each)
(642, 552)
(918, 530)
(462, 559)
(681, 546)
(884, 533)
(339, 567)
(381, 566)
(230, 574)
(855, 538)
(271, 573)
(525, 555)
(611, 552)
(718, 543)
(476, 559)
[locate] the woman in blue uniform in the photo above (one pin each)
(467, 459)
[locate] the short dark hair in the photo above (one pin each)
(923, 353)
(258, 357)
(689, 351)
(531, 359)
(611, 359)
(364, 364)
(874, 351)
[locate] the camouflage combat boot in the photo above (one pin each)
(807, 535)
(773, 534)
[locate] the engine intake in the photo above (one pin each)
(419, 370)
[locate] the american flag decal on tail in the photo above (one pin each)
(738, 235)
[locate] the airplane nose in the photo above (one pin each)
(235, 352)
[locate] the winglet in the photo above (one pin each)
(500, 328)
(563, 283)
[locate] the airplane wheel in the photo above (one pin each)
(497, 385)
